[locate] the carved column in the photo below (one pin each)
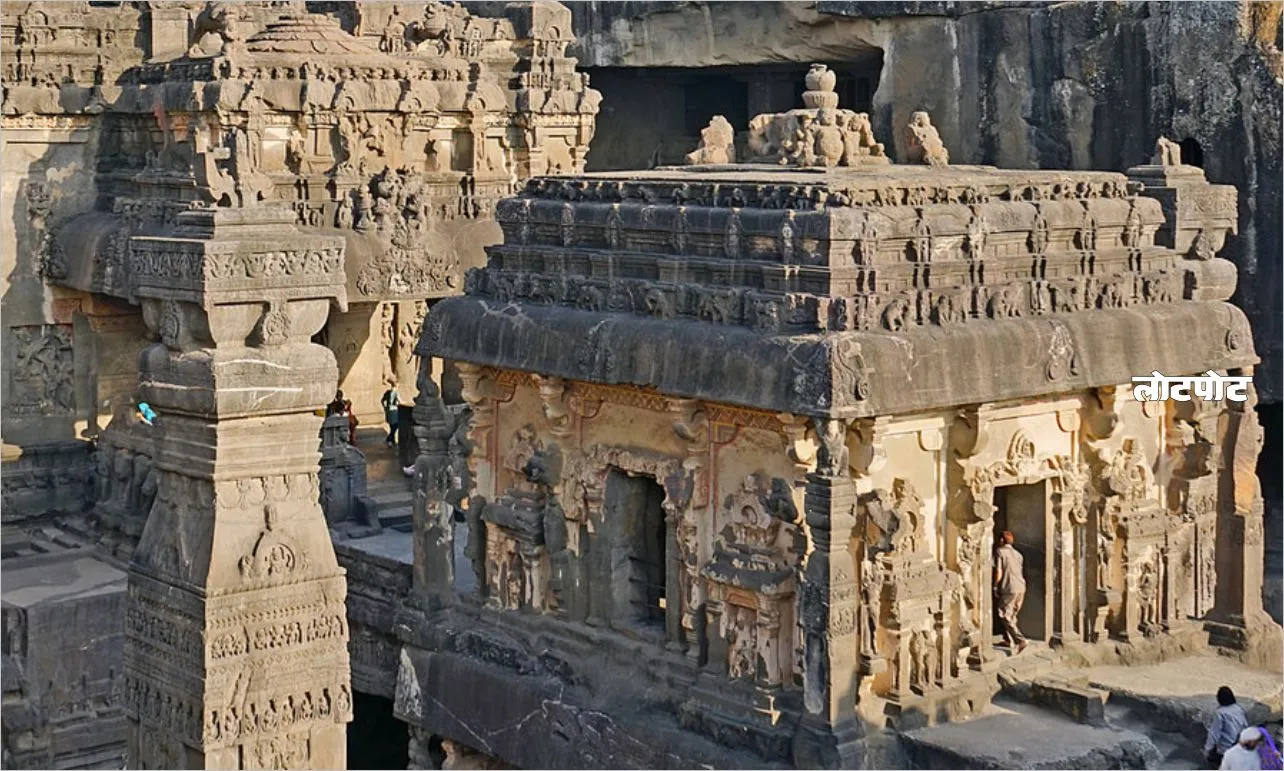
(829, 735)
(1237, 613)
(434, 541)
(236, 637)
(691, 424)
(476, 392)
(973, 517)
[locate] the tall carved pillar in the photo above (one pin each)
(1237, 616)
(477, 393)
(236, 637)
(691, 424)
(829, 735)
(1071, 510)
(972, 513)
(434, 543)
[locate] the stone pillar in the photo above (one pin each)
(1238, 618)
(829, 736)
(236, 635)
(434, 543)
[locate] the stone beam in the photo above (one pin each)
(236, 637)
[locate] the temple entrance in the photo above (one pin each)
(1023, 509)
(634, 506)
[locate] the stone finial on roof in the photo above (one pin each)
(820, 88)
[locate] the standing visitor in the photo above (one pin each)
(1223, 733)
(391, 401)
(1009, 587)
(352, 422)
(335, 407)
(1243, 755)
(1268, 752)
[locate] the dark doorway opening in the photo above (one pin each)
(1023, 510)
(714, 95)
(1191, 153)
(634, 506)
(376, 739)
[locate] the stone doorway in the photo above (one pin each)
(1023, 509)
(635, 505)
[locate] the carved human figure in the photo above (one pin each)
(1148, 598)
(923, 657)
(103, 471)
(717, 144)
(871, 602)
(123, 472)
(1104, 546)
(343, 216)
(142, 467)
(524, 446)
(828, 148)
(858, 140)
(832, 456)
(742, 653)
(909, 511)
(925, 144)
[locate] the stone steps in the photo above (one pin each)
(396, 502)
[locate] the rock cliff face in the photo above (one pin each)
(1076, 85)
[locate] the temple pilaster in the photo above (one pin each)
(829, 736)
(236, 640)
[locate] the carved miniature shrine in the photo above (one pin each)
(771, 418)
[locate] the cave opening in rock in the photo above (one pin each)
(653, 116)
(376, 738)
(1191, 153)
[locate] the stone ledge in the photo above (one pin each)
(847, 374)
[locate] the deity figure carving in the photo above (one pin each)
(909, 536)
(925, 144)
(829, 144)
(871, 591)
(923, 657)
(717, 144)
(742, 654)
(1105, 543)
(832, 457)
(1148, 598)
(1127, 474)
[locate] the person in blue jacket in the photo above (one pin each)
(146, 413)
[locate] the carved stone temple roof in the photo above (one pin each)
(309, 35)
(853, 291)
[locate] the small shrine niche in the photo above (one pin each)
(751, 581)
